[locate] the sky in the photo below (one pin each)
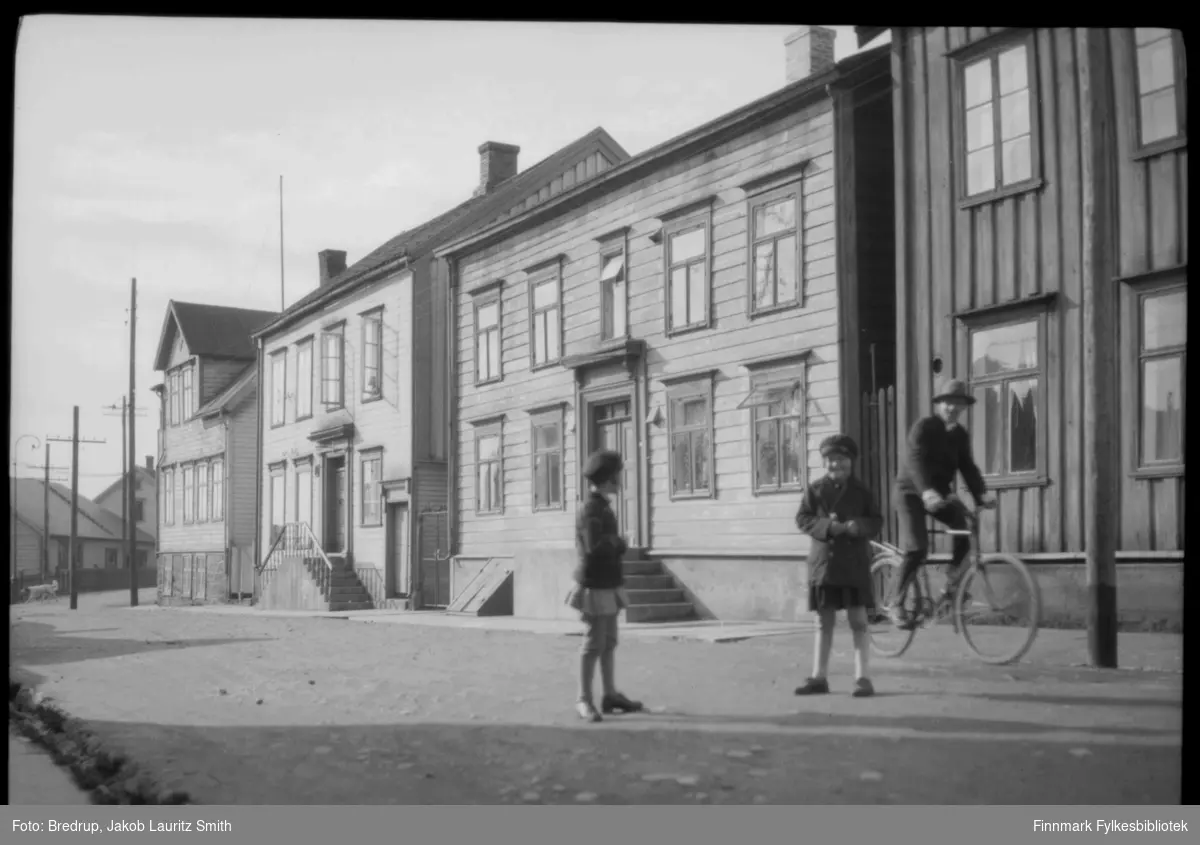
(152, 148)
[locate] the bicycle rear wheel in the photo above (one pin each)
(887, 640)
(998, 608)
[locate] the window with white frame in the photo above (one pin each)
(614, 298)
(168, 505)
(189, 494)
(487, 340)
(139, 510)
(1161, 77)
(278, 388)
(545, 318)
(332, 367)
(218, 490)
(372, 356)
(1161, 376)
(687, 260)
(998, 108)
(202, 492)
(304, 493)
(776, 250)
(489, 470)
(304, 379)
(778, 434)
(189, 391)
(689, 427)
(371, 488)
(278, 504)
(547, 436)
(1008, 383)
(173, 392)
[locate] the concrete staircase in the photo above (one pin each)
(654, 596)
(345, 591)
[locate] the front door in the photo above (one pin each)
(613, 428)
(335, 531)
(398, 552)
(435, 559)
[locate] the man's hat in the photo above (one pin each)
(840, 444)
(603, 466)
(956, 391)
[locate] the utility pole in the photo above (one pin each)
(46, 514)
(71, 556)
(282, 298)
(133, 568)
(128, 517)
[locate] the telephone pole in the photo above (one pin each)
(128, 476)
(74, 440)
(133, 568)
(46, 513)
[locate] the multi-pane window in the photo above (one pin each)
(278, 502)
(372, 489)
(1160, 79)
(687, 276)
(189, 395)
(689, 426)
(304, 493)
(546, 321)
(202, 493)
(777, 405)
(1162, 377)
(218, 490)
(174, 397)
(547, 460)
(1007, 383)
(489, 471)
(304, 379)
(997, 108)
(139, 510)
(110, 559)
(614, 301)
(168, 504)
(278, 388)
(332, 365)
(487, 341)
(372, 356)
(775, 243)
(189, 494)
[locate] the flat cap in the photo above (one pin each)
(603, 466)
(839, 444)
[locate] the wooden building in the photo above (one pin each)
(207, 452)
(145, 502)
(352, 480)
(699, 308)
(1041, 180)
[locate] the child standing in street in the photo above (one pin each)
(599, 594)
(839, 512)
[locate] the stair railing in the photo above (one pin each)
(296, 538)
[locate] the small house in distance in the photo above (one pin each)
(145, 503)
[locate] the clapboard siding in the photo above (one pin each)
(240, 474)
(29, 550)
(960, 258)
(216, 374)
(183, 444)
(732, 338)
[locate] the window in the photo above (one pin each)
(277, 503)
(304, 493)
(489, 471)
(304, 379)
(173, 392)
(189, 395)
(614, 302)
(777, 406)
(169, 497)
(371, 492)
(689, 425)
(372, 361)
(545, 320)
(1008, 387)
(189, 494)
(999, 121)
(1161, 75)
(218, 490)
(143, 558)
(775, 250)
(139, 510)
(332, 347)
(687, 275)
(202, 493)
(110, 559)
(1161, 376)
(487, 341)
(278, 388)
(547, 436)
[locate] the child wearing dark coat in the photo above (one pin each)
(839, 512)
(599, 593)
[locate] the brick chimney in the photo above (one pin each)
(150, 463)
(332, 262)
(809, 52)
(497, 162)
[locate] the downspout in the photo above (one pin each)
(451, 405)
(226, 513)
(258, 476)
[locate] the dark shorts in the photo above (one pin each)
(600, 634)
(837, 598)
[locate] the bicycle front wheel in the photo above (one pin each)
(888, 640)
(998, 608)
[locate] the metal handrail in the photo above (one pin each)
(290, 537)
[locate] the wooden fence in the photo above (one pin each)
(879, 456)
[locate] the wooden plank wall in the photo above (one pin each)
(1022, 246)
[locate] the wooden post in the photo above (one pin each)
(124, 479)
(74, 510)
(132, 465)
(46, 517)
(1101, 392)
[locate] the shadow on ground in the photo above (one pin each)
(41, 644)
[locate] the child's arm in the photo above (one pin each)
(867, 525)
(590, 528)
(809, 522)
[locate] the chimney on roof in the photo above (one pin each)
(497, 162)
(332, 263)
(809, 51)
(150, 463)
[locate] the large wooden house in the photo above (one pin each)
(207, 452)
(352, 479)
(699, 308)
(1041, 179)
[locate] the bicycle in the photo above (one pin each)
(984, 575)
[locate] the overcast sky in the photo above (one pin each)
(152, 148)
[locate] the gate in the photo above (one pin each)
(433, 543)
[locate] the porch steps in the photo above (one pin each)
(654, 595)
(489, 593)
(344, 591)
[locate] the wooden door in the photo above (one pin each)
(335, 534)
(613, 428)
(435, 559)
(398, 577)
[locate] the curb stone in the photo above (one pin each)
(109, 778)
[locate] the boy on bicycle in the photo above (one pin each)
(938, 449)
